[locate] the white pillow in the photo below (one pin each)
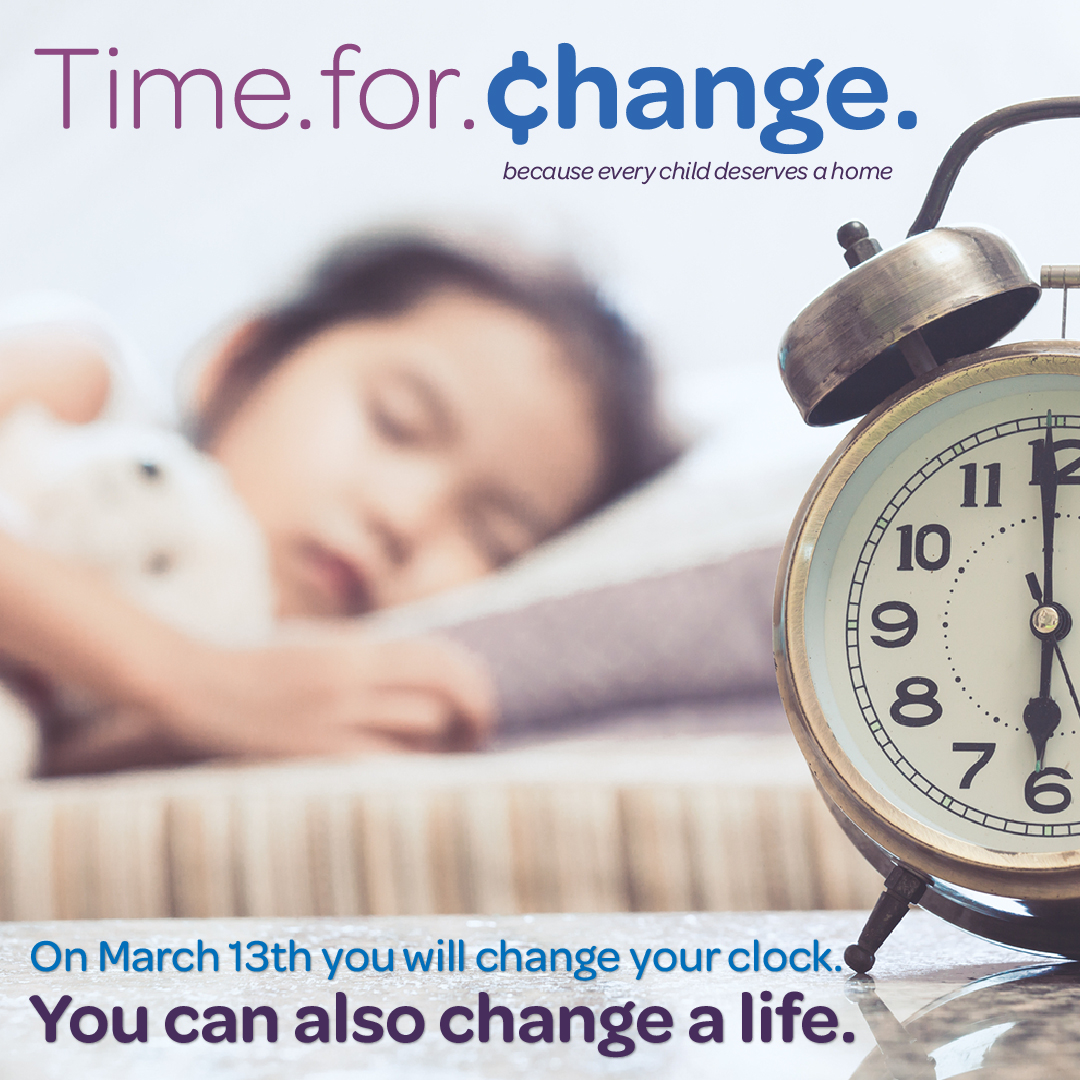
(708, 506)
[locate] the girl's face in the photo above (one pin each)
(387, 459)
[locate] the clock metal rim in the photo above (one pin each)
(1043, 875)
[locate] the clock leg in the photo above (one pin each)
(902, 888)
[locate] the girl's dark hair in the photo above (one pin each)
(387, 277)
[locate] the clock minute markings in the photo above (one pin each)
(916, 701)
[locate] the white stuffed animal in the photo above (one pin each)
(155, 517)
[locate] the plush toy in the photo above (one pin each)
(155, 517)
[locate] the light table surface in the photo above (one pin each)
(971, 1011)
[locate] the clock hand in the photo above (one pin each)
(1042, 714)
(1048, 487)
(1059, 633)
(1068, 681)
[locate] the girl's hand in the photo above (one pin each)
(337, 692)
(168, 698)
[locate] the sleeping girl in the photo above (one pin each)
(416, 417)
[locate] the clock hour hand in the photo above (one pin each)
(1060, 632)
(1042, 714)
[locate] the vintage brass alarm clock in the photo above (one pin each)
(925, 640)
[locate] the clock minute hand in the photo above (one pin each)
(1048, 487)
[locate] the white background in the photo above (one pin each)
(176, 233)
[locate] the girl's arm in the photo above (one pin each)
(172, 698)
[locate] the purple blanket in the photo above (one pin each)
(699, 640)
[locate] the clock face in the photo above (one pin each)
(923, 588)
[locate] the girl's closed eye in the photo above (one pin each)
(407, 410)
(500, 529)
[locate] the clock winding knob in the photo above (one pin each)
(858, 244)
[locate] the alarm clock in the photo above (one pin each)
(925, 641)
